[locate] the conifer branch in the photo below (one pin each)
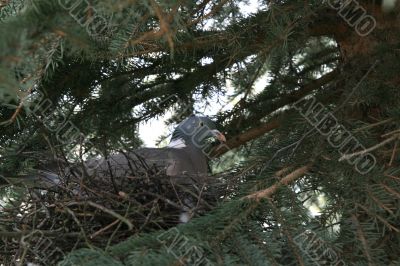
(294, 96)
(246, 136)
(165, 22)
(4, 3)
(285, 230)
(363, 240)
(19, 109)
(210, 14)
(349, 156)
(290, 178)
(379, 217)
(391, 190)
(286, 99)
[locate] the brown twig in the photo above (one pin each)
(362, 152)
(214, 10)
(393, 153)
(290, 178)
(104, 229)
(104, 209)
(7, 234)
(246, 136)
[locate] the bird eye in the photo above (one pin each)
(201, 124)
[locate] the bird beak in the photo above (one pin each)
(218, 135)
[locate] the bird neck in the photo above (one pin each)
(177, 143)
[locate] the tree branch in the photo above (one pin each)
(290, 178)
(362, 152)
(293, 96)
(363, 240)
(246, 136)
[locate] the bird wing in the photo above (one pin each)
(175, 162)
(184, 164)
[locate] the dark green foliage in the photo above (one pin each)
(107, 82)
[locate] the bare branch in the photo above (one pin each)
(290, 178)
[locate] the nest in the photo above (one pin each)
(45, 221)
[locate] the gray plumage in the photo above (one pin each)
(184, 157)
(183, 160)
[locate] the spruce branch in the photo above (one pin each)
(23, 96)
(18, 110)
(246, 136)
(290, 178)
(363, 240)
(165, 21)
(391, 190)
(288, 98)
(284, 228)
(4, 3)
(379, 203)
(362, 152)
(379, 217)
(213, 11)
(374, 125)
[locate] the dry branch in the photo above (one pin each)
(290, 178)
(246, 137)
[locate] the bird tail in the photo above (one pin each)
(29, 178)
(17, 179)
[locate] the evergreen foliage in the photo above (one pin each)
(107, 66)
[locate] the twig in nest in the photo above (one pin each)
(104, 209)
(104, 229)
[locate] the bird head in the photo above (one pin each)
(197, 130)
